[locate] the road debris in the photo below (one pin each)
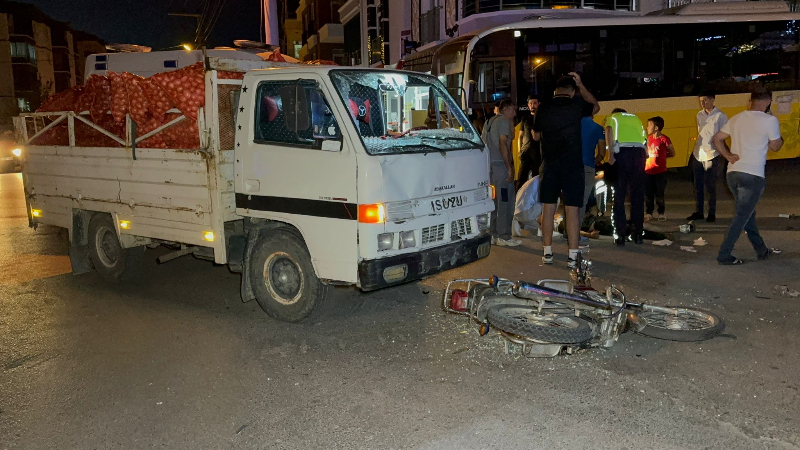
(699, 242)
(688, 248)
(787, 216)
(784, 290)
(663, 243)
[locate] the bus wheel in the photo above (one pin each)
(110, 260)
(283, 278)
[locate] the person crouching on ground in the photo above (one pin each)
(558, 125)
(659, 148)
(499, 134)
(753, 133)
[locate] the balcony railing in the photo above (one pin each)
(429, 26)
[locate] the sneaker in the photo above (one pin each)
(508, 242)
(648, 217)
(571, 263)
(547, 259)
(770, 252)
(662, 217)
(494, 240)
(695, 216)
(711, 218)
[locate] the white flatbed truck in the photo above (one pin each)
(306, 176)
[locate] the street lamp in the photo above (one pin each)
(187, 47)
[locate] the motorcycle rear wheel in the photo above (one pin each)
(558, 327)
(689, 325)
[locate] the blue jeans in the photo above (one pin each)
(747, 190)
(705, 176)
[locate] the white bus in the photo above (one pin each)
(653, 65)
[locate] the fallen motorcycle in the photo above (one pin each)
(553, 317)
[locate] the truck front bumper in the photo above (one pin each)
(378, 273)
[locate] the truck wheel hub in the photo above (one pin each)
(283, 277)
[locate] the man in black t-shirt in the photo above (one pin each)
(558, 125)
(530, 157)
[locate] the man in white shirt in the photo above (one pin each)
(753, 133)
(706, 161)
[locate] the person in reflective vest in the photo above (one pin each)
(627, 140)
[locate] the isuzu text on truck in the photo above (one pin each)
(297, 176)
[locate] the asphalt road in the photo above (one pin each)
(174, 359)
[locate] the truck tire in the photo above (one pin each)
(282, 276)
(109, 259)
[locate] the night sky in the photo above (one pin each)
(145, 22)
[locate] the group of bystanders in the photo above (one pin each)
(560, 145)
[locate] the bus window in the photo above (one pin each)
(494, 81)
(652, 61)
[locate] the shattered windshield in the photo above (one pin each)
(396, 112)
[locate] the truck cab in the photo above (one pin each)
(379, 171)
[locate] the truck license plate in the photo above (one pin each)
(448, 202)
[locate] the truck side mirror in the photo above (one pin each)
(295, 107)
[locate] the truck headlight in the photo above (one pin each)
(483, 221)
(17, 152)
(407, 239)
(385, 241)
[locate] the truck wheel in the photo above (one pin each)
(110, 260)
(283, 278)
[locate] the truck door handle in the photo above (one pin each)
(252, 185)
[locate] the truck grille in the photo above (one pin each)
(460, 227)
(399, 211)
(432, 234)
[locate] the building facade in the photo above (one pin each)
(372, 33)
(290, 28)
(38, 57)
(322, 33)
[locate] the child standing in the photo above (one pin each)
(659, 148)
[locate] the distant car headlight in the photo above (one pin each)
(17, 152)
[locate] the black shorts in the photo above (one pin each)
(559, 179)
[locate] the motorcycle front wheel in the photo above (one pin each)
(555, 326)
(688, 325)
